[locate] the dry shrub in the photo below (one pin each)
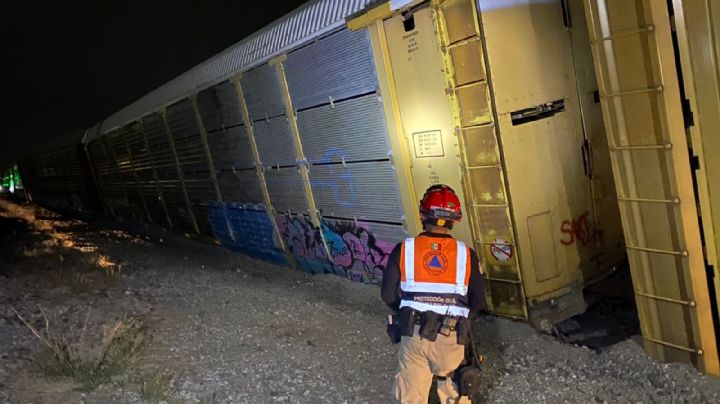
(88, 364)
(101, 262)
(154, 387)
(79, 283)
(41, 249)
(30, 252)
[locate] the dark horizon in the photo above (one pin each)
(64, 67)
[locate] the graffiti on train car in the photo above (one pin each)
(341, 188)
(355, 251)
(342, 184)
(251, 227)
(577, 230)
(304, 242)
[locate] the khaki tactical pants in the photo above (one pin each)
(419, 360)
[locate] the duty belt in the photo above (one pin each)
(448, 323)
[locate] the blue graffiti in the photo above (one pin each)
(334, 241)
(331, 154)
(251, 227)
(342, 185)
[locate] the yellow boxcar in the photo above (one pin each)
(563, 124)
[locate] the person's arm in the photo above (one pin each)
(390, 290)
(476, 288)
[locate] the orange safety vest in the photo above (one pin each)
(434, 275)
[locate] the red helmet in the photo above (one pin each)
(440, 202)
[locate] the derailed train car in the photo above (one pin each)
(60, 179)
(559, 121)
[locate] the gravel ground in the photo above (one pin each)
(224, 328)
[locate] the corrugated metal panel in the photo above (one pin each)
(230, 148)
(175, 202)
(107, 173)
(152, 197)
(307, 22)
(230, 111)
(102, 167)
(262, 93)
(252, 229)
(352, 130)
(286, 189)
(367, 191)
(219, 107)
(361, 249)
(181, 120)
(199, 187)
(159, 147)
(59, 179)
(130, 203)
(209, 108)
(191, 155)
(165, 166)
(338, 66)
(136, 145)
(274, 142)
(200, 191)
(202, 217)
(304, 242)
(240, 186)
(188, 144)
(386, 235)
(97, 157)
(358, 250)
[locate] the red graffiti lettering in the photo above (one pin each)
(567, 228)
(579, 230)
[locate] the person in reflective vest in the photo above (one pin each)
(432, 283)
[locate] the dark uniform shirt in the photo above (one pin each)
(391, 292)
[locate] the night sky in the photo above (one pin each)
(64, 65)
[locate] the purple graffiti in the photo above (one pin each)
(354, 251)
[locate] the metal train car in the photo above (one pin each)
(566, 126)
(61, 179)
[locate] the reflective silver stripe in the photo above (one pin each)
(409, 285)
(409, 262)
(461, 270)
(430, 287)
(439, 309)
